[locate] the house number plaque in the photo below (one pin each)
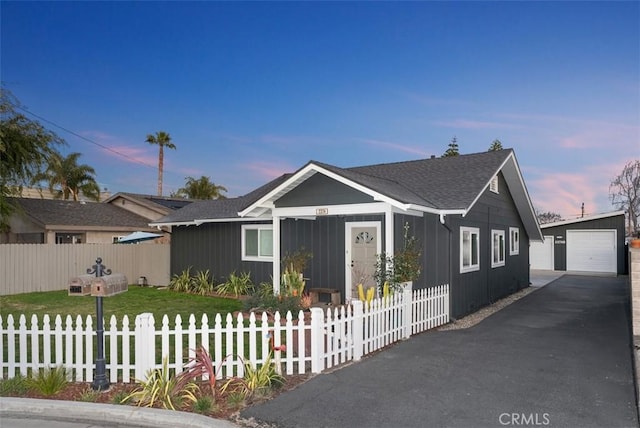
(322, 211)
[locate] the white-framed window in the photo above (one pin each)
(514, 241)
(493, 185)
(257, 242)
(469, 249)
(497, 248)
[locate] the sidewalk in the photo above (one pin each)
(15, 411)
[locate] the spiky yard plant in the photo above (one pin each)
(162, 389)
(49, 381)
(201, 283)
(256, 379)
(15, 386)
(182, 282)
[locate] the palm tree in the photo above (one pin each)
(162, 139)
(201, 188)
(67, 179)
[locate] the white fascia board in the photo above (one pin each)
(198, 222)
(266, 200)
(579, 220)
(177, 223)
(422, 209)
(330, 210)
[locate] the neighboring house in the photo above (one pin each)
(471, 214)
(589, 244)
(41, 219)
(148, 206)
(56, 221)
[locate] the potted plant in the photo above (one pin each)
(401, 268)
(635, 240)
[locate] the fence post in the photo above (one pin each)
(358, 330)
(407, 310)
(317, 340)
(145, 345)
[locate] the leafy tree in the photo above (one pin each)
(162, 139)
(453, 148)
(201, 188)
(25, 148)
(624, 192)
(548, 217)
(67, 179)
(495, 146)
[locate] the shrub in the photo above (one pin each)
(255, 380)
(49, 381)
(89, 395)
(15, 386)
(204, 405)
(161, 388)
(181, 282)
(236, 284)
(201, 284)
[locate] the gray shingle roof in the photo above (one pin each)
(220, 208)
(443, 183)
(73, 213)
(450, 183)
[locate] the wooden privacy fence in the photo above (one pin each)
(26, 268)
(308, 342)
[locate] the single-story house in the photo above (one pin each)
(592, 244)
(148, 206)
(471, 215)
(56, 221)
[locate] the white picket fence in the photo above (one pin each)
(300, 344)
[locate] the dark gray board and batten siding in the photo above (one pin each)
(217, 246)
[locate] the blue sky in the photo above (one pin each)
(249, 91)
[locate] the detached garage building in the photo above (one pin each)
(589, 244)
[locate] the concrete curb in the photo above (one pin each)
(110, 414)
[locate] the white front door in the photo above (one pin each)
(362, 246)
(541, 254)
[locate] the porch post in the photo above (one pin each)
(276, 254)
(388, 231)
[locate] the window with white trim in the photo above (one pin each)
(469, 249)
(514, 241)
(257, 242)
(493, 185)
(497, 248)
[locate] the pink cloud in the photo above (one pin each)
(564, 192)
(394, 146)
(269, 170)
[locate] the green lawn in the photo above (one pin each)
(133, 302)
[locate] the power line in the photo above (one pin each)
(83, 137)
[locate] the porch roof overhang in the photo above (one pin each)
(266, 205)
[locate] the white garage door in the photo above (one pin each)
(541, 254)
(592, 251)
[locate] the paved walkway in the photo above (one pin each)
(559, 357)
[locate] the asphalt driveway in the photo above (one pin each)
(559, 357)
